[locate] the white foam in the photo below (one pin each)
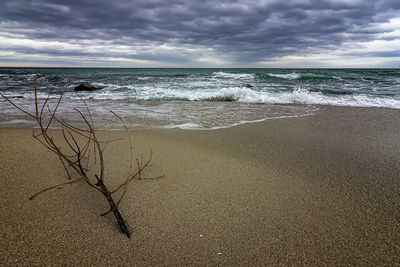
(227, 75)
(185, 126)
(247, 95)
(288, 76)
(106, 85)
(304, 96)
(16, 122)
(337, 78)
(195, 126)
(300, 95)
(30, 77)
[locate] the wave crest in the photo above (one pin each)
(228, 75)
(287, 76)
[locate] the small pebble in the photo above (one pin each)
(220, 253)
(201, 235)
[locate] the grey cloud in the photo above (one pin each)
(247, 31)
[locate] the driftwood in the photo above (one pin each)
(75, 156)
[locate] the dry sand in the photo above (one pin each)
(317, 190)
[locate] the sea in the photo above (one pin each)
(194, 99)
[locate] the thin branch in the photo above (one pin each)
(103, 125)
(105, 213)
(76, 144)
(65, 168)
(97, 143)
(70, 126)
(59, 101)
(12, 103)
(85, 149)
(44, 104)
(44, 144)
(134, 175)
(36, 101)
(131, 152)
(52, 187)
(88, 110)
(67, 141)
(91, 128)
(76, 130)
(150, 178)
(87, 160)
(80, 161)
(107, 140)
(139, 169)
(73, 129)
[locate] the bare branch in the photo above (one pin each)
(79, 161)
(135, 174)
(44, 104)
(67, 141)
(17, 107)
(62, 122)
(131, 152)
(107, 140)
(59, 101)
(97, 144)
(65, 168)
(52, 187)
(36, 101)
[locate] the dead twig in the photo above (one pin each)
(52, 187)
(75, 157)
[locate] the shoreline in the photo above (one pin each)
(321, 189)
(314, 109)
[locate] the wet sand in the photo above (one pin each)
(315, 190)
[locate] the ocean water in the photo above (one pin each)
(197, 98)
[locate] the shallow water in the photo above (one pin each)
(200, 98)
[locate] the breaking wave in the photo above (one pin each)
(302, 76)
(288, 76)
(243, 94)
(227, 75)
(205, 98)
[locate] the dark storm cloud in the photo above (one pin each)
(246, 31)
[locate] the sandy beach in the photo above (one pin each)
(315, 190)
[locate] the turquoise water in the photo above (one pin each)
(202, 98)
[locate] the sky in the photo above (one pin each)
(200, 33)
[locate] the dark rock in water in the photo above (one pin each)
(248, 85)
(85, 87)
